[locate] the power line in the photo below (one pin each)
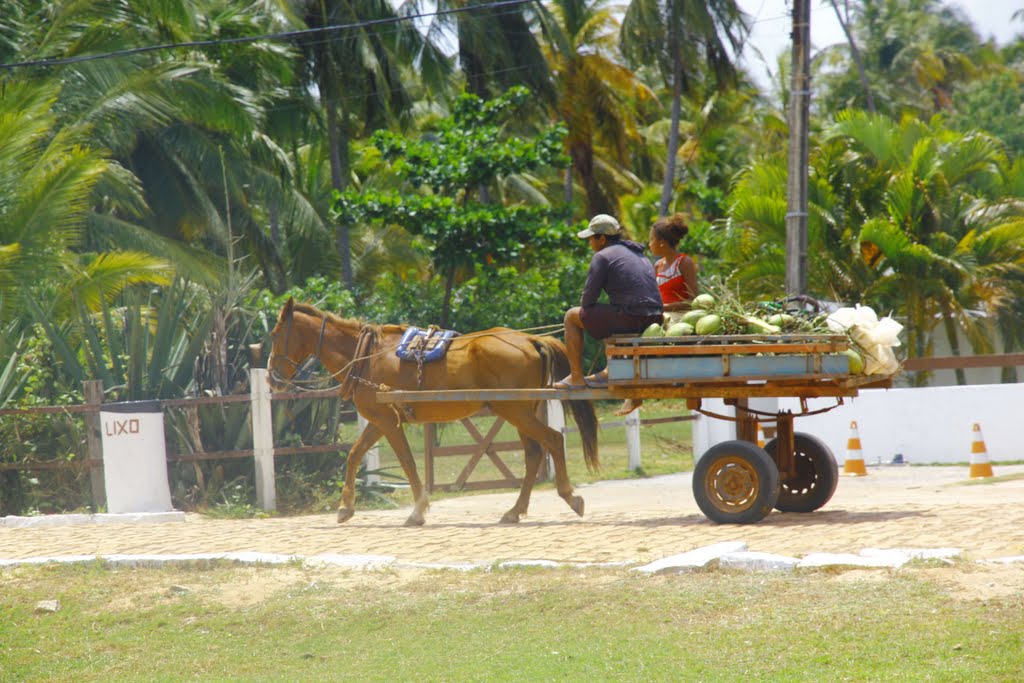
(285, 35)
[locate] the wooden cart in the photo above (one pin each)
(735, 481)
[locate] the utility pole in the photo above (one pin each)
(796, 187)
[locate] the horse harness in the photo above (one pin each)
(360, 358)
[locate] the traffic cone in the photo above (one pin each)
(760, 436)
(980, 465)
(854, 465)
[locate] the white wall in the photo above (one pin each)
(926, 425)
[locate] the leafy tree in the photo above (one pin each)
(993, 103)
(444, 172)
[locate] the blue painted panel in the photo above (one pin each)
(704, 367)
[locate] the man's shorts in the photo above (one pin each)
(604, 320)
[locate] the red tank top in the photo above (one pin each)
(672, 284)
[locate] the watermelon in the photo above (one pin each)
(709, 324)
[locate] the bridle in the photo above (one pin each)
(297, 367)
(352, 371)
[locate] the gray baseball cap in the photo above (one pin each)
(601, 224)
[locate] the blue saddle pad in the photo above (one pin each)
(429, 344)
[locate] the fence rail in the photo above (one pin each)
(992, 360)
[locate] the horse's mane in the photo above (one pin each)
(311, 310)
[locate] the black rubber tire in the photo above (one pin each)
(735, 482)
(817, 475)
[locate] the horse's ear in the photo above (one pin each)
(289, 306)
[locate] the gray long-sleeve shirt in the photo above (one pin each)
(622, 270)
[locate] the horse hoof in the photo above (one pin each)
(577, 505)
(414, 520)
(345, 514)
(510, 517)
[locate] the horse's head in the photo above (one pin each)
(285, 350)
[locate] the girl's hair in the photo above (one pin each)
(671, 228)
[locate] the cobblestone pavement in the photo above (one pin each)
(626, 521)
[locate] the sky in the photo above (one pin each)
(991, 18)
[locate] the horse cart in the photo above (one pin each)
(735, 481)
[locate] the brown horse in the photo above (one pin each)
(363, 358)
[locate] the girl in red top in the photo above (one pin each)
(675, 272)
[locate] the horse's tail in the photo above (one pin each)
(556, 366)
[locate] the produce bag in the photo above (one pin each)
(874, 337)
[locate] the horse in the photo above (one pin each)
(362, 357)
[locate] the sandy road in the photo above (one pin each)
(625, 521)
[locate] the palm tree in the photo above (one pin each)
(597, 96)
(361, 77)
(684, 38)
(915, 54)
(939, 251)
(48, 180)
(902, 217)
(184, 128)
(496, 49)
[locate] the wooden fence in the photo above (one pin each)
(264, 451)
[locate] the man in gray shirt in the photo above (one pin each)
(619, 268)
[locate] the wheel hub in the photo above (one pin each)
(733, 484)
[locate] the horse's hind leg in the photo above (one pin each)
(396, 437)
(369, 436)
(522, 416)
(534, 457)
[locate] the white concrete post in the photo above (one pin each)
(372, 457)
(556, 420)
(263, 439)
(633, 439)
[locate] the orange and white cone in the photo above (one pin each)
(980, 465)
(854, 465)
(760, 436)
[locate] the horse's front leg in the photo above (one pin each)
(369, 436)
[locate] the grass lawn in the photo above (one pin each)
(290, 623)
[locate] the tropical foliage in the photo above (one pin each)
(169, 170)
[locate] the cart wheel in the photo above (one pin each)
(816, 475)
(735, 482)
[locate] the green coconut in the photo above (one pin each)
(703, 301)
(653, 330)
(856, 361)
(709, 324)
(679, 329)
(691, 317)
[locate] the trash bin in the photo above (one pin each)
(134, 457)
